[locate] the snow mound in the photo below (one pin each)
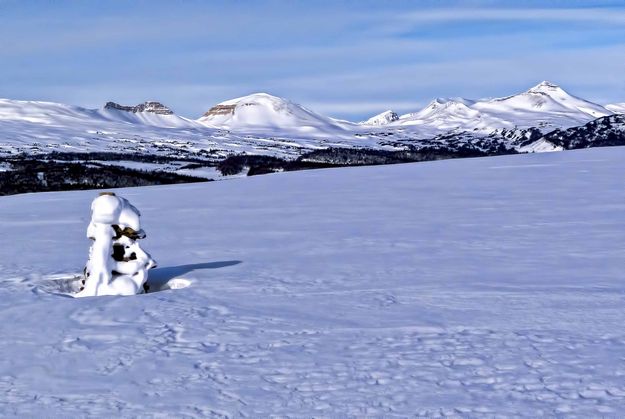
(117, 264)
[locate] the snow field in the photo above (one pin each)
(475, 287)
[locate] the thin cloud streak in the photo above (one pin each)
(597, 15)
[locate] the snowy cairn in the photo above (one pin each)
(117, 265)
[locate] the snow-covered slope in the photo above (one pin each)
(264, 112)
(545, 106)
(616, 107)
(480, 290)
(453, 114)
(383, 118)
(61, 115)
(46, 113)
(148, 113)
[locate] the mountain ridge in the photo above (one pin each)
(267, 125)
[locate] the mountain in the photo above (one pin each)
(545, 105)
(151, 107)
(602, 132)
(616, 107)
(264, 125)
(262, 112)
(60, 115)
(147, 113)
(453, 114)
(383, 118)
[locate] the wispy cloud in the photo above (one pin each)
(583, 14)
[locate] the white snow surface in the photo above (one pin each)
(383, 118)
(103, 274)
(464, 288)
(616, 107)
(545, 106)
(262, 112)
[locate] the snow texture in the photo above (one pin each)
(616, 107)
(115, 225)
(384, 118)
(465, 288)
(262, 112)
(546, 106)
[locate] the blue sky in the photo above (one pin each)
(347, 59)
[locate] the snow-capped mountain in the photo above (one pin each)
(545, 106)
(148, 113)
(383, 118)
(262, 124)
(453, 114)
(60, 115)
(264, 112)
(616, 107)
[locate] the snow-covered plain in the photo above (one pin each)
(474, 287)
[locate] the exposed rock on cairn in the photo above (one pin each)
(117, 265)
(151, 107)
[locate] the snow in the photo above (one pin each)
(540, 146)
(454, 114)
(616, 107)
(262, 112)
(40, 127)
(269, 125)
(115, 222)
(60, 115)
(474, 288)
(546, 106)
(383, 118)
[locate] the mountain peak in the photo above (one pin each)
(383, 118)
(262, 111)
(149, 106)
(544, 87)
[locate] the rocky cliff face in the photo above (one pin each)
(150, 106)
(221, 110)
